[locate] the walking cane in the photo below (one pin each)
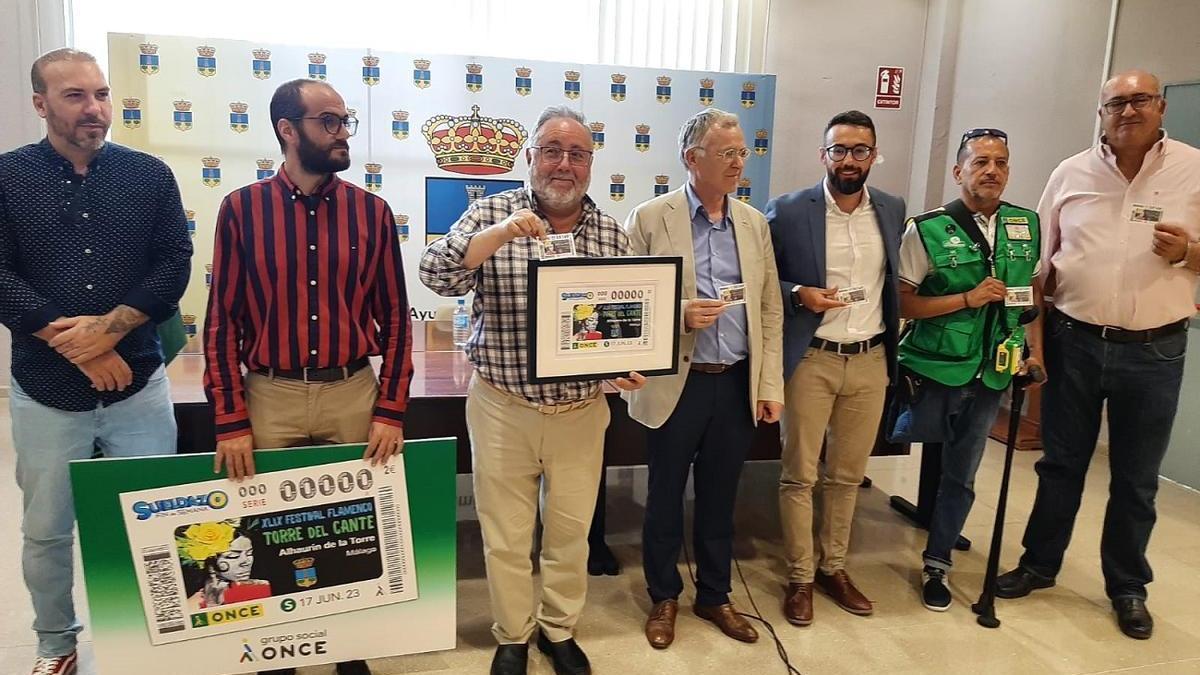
(986, 606)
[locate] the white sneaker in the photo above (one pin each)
(56, 665)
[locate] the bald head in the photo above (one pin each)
(1131, 112)
(1136, 80)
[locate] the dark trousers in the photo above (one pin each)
(1141, 383)
(710, 431)
(969, 412)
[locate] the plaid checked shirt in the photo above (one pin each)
(498, 346)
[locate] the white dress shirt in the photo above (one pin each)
(854, 256)
(1103, 260)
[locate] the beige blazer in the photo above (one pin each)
(662, 226)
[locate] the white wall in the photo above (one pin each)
(825, 54)
(31, 28)
(1034, 69)
(1161, 36)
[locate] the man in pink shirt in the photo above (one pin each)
(1120, 222)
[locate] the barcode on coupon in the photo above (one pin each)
(164, 590)
(390, 521)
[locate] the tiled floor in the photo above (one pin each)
(1067, 629)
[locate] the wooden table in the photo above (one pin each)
(436, 408)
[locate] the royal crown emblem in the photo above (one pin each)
(183, 114)
(370, 71)
(190, 216)
(401, 227)
(306, 572)
(743, 190)
(399, 124)
(374, 176)
(474, 77)
(266, 168)
(317, 68)
(760, 142)
(189, 329)
(474, 145)
(641, 140)
(131, 116)
(616, 189)
(211, 173)
(421, 75)
(707, 91)
(571, 84)
(617, 89)
(260, 66)
(597, 135)
(239, 121)
(748, 94)
(524, 81)
(206, 60)
(148, 58)
(208, 268)
(662, 92)
(662, 184)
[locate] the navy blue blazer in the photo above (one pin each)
(797, 222)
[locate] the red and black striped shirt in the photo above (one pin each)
(305, 281)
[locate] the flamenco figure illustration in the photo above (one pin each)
(218, 563)
(587, 320)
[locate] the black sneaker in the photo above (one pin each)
(934, 594)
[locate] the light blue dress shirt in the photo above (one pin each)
(714, 247)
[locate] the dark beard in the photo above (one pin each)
(314, 160)
(847, 187)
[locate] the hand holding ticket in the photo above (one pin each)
(852, 295)
(1170, 242)
(523, 223)
(733, 294)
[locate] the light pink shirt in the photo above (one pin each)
(1103, 260)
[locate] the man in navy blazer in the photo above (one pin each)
(837, 250)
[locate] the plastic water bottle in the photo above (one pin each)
(462, 323)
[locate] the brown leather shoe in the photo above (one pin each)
(660, 625)
(842, 591)
(728, 620)
(797, 606)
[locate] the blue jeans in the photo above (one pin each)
(1141, 382)
(46, 440)
(969, 413)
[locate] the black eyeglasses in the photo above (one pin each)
(1116, 106)
(838, 152)
(333, 123)
(981, 133)
(553, 155)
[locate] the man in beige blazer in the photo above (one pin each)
(730, 370)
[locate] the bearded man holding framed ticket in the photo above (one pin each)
(526, 434)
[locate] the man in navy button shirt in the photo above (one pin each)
(94, 252)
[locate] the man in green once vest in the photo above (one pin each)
(969, 270)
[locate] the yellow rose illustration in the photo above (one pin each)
(204, 540)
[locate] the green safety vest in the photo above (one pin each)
(954, 348)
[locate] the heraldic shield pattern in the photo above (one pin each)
(435, 132)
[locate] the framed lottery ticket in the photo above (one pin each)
(599, 318)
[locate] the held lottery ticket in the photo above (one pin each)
(216, 557)
(611, 318)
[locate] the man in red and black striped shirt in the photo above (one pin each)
(307, 283)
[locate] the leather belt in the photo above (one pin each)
(334, 374)
(1120, 335)
(846, 348)
(713, 368)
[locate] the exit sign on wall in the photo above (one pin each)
(889, 84)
